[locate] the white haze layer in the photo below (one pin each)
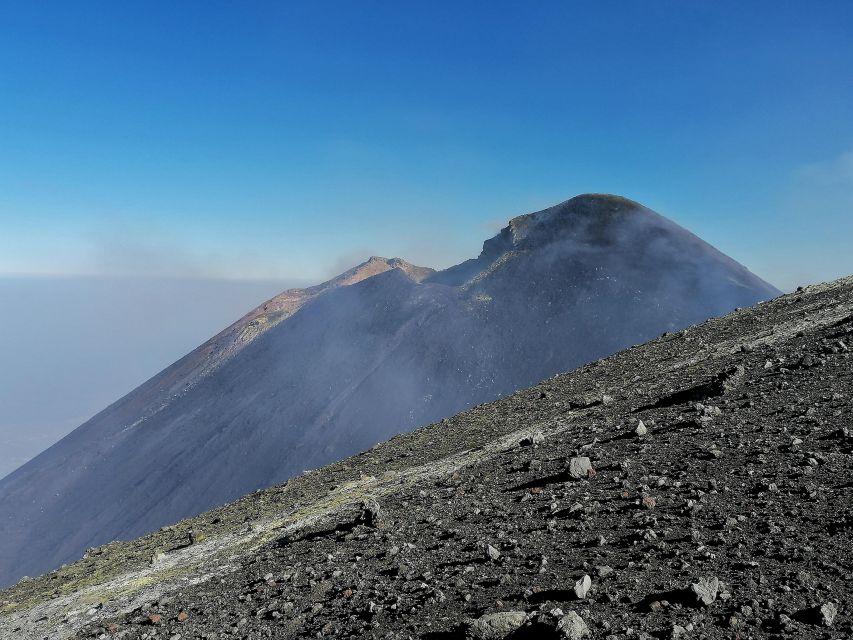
(71, 346)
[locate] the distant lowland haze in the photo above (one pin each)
(71, 346)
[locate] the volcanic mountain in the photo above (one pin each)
(317, 374)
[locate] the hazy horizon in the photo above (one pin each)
(114, 334)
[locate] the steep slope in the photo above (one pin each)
(718, 506)
(319, 374)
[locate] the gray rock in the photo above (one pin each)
(582, 587)
(534, 439)
(496, 626)
(580, 467)
(603, 570)
(828, 613)
(705, 590)
(370, 513)
(678, 631)
(573, 627)
(641, 429)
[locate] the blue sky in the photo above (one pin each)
(289, 140)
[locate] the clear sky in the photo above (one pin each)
(290, 140)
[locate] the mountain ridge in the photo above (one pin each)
(319, 373)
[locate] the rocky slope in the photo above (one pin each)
(697, 486)
(318, 374)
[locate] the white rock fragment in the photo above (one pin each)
(580, 467)
(582, 587)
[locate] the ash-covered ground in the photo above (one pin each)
(698, 486)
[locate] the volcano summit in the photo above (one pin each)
(317, 374)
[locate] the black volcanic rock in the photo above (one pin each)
(318, 374)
